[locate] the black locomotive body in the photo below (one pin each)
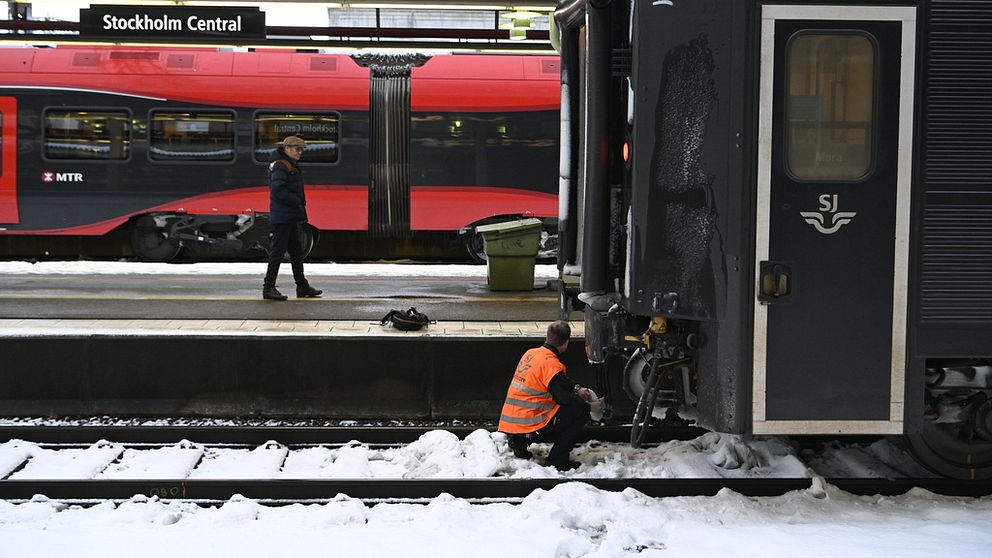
(779, 215)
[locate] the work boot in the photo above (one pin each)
(518, 445)
(272, 293)
(306, 291)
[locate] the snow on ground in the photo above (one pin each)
(441, 454)
(63, 463)
(570, 520)
(436, 454)
(880, 459)
(541, 271)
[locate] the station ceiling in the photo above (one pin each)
(512, 28)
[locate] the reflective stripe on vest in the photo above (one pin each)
(522, 420)
(528, 406)
(529, 391)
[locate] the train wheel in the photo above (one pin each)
(307, 240)
(476, 247)
(153, 243)
(956, 438)
(636, 374)
(942, 449)
(655, 384)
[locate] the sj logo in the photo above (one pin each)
(48, 177)
(828, 220)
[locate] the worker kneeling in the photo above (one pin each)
(543, 404)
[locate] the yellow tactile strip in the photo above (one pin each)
(320, 328)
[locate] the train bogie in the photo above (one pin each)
(798, 191)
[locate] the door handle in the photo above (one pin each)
(775, 281)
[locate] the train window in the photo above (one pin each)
(321, 131)
(87, 134)
(482, 148)
(830, 106)
(192, 136)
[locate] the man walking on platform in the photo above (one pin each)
(287, 213)
(543, 404)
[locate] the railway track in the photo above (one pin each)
(293, 435)
(394, 490)
(289, 490)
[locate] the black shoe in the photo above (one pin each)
(564, 464)
(306, 291)
(518, 445)
(272, 293)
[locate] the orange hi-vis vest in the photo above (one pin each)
(529, 405)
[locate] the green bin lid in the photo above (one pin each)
(509, 226)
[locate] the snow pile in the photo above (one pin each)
(570, 520)
(441, 454)
(56, 463)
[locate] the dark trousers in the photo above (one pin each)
(285, 236)
(565, 429)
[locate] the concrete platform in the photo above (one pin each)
(207, 345)
(175, 295)
(305, 328)
(451, 370)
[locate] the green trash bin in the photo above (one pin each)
(511, 249)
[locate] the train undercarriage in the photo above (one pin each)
(956, 437)
(162, 237)
(661, 376)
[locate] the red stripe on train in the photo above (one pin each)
(8, 161)
(472, 83)
(332, 207)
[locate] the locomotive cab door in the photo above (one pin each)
(832, 218)
(8, 161)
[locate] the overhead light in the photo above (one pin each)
(520, 15)
(518, 23)
(394, 5)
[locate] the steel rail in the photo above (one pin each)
(292, 435)
(377, 490)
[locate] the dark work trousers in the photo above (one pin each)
(285, 236)
(565, 429)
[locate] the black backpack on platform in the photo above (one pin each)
(405, 320)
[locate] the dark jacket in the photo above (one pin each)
(561, 387)
(287, 202)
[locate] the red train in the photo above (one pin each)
(160, 151)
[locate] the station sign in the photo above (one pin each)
(150, 23)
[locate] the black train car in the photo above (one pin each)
(780, 214)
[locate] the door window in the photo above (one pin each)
(830, 110)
